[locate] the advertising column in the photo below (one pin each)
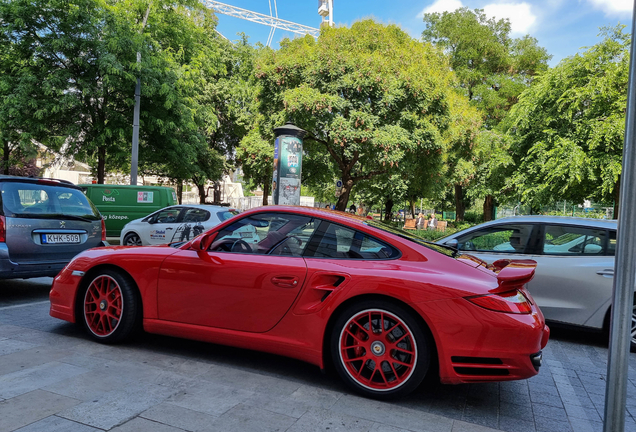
(288, 154)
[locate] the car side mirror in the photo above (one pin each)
(206, 241)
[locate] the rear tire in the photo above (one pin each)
(379, 349)
(110, 306)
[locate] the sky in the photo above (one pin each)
(563, 27)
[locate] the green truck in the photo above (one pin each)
(120, 204)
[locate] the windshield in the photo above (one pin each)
(39, 201)
(446, 250)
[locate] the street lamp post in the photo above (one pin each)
(134, 162)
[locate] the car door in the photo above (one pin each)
(236, 284)
(162, 226)
(193, 222)
(574, 272)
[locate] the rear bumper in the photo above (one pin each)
(481, 345)
(12, 270)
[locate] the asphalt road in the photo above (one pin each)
(22, 291)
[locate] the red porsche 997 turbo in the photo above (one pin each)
(321, 286)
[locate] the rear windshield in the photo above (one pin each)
(225, 215)
(448, 251)
(40, 201)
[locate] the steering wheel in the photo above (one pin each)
(291, 246)
(241, 246)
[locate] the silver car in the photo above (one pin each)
(575, 262)
(44, 223)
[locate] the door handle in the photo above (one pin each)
(285, 281)
(606, 272)
(168, 228)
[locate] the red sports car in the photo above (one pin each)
(382, 307)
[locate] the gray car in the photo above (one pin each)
(44, 223)
(575, 262)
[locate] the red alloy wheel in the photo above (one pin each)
(103, 306)
(378, 350)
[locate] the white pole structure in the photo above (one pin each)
(134, 162)
(330, 13)
(624, 267)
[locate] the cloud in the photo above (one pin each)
(614, 7)
(520, 15)
(441, 6)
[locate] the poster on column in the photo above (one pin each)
(290, 163)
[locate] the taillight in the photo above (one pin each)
(103, 230)
(508, 302)
(3, 229)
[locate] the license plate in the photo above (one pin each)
(60, 238)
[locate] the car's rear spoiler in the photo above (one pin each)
(512, 273)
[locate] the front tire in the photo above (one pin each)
(132, 239)
(379, 349)
(110, 307)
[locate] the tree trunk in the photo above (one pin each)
(101, 164)
(412, 207)
(180, 192)
(489, 208)
(343, 199)
(202, 194)
(459, 203)
(265, 193)
(617, 195)
(388, 210)
(5, 158)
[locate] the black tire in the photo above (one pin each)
(132, 239)
(403, 353)
(109, 306)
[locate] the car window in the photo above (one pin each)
(225, 215)
(169, 215)
(569, 240)
(35, 200)
(195, 215)
(503, 238)
(338, 241)
(268, 233)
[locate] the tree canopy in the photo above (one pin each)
(370, 97)
(69, 73)
(568, 128)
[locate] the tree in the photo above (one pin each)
(256, 157)
(74, 72)
(367, 95)
(568, 128)
(492, 68)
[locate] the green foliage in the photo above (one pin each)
(473, 217)
(568, 128)
(492, 67)
(256, 157)
(373, 100)
(68, 78)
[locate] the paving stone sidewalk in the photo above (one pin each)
(53, 379)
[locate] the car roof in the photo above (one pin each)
(204, 206)
(35, 180)
(567, 220)
(335, 215)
